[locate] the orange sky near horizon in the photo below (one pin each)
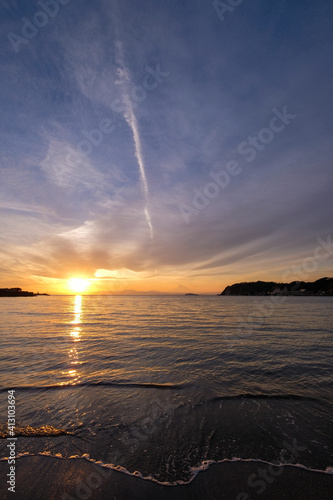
(125, 282)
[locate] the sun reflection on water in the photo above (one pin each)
(75, 334)
(77, 310)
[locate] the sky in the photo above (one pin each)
(165, 146)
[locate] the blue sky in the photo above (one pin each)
(115, 115)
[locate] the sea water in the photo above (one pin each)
(163, 384)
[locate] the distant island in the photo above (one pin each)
(18, 292)
(191, 294)
(323, 286)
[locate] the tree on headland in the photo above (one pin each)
(323, 286)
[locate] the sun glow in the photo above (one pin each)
(78, 285)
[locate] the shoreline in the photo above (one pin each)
(42, 476)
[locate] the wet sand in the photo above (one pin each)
(46, 478)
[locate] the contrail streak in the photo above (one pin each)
(133, 124)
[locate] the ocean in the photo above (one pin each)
(164, 386)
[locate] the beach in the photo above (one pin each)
(40, 478)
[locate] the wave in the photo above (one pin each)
(205, 465)
(93, 384)
(293, 397)
(147, 385)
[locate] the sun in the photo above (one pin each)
(78, 285)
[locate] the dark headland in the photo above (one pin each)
(323, 286)
(18, 292)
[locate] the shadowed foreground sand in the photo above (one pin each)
(46, 478)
